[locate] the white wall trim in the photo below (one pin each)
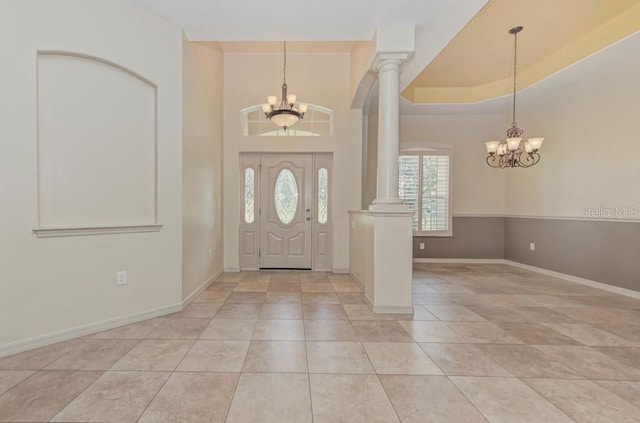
(386, 309)
(459, 261)
(93, 230)
(478, 215)
(577, 218)
(356, 279)
(367, 301)
(91, 328)
(232, 270)
(564, 276)
(340, 270)
(201, 288)
(393, 309)
(593, 284)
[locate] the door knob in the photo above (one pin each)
(308, 218)
(308, 210)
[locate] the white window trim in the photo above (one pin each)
(274, 132)
(432, 149)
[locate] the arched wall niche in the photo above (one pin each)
(97, 146)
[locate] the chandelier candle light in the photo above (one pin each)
(513, 151)
(285, 115)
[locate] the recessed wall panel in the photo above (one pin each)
(96, 143)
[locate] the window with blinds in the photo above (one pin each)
(424, 186)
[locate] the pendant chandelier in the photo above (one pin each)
(514, 151)
(285, 115)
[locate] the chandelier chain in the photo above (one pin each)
(284, 114)
(515, 76)
(514, 152)
(284, 71)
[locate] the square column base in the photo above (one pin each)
(380, 247)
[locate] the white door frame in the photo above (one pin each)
(249, 230)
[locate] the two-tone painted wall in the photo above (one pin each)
(581, 204)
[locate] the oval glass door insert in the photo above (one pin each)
(286, 196)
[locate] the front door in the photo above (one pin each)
(285, 216)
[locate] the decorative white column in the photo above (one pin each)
(380, 239)
(388, 67)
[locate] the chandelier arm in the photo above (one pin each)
(492, 160)
(536, 158)
(529, 160)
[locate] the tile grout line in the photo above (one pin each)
(379, 377)
(91, 384)
(468, 399)
(306, 354)
(235, 389)
(171, 373)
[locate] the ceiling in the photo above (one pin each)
(296, 20)
(463, 50)
(276, 47)
(617, 55)
(477, 63)
(249, 25)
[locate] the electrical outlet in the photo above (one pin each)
(422, 245)
(209, 254)
(121, 277)
(532, 246)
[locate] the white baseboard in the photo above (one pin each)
(91, 328)
(357, 280)
(368, 301)
(543, 271)
(66, 334)
(388, 309)
(576, 279)
(201, 288)
(393, 309)
(231, 270)
(340, 270)
(458, 261)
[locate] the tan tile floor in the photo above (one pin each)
(486, 343)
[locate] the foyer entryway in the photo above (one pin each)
(286, 211)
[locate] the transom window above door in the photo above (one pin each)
(317, 122)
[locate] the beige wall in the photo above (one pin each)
(55, 287)
(321, 79)
(477, 190)
(588, 175)
(202, 165)
(590, 155)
